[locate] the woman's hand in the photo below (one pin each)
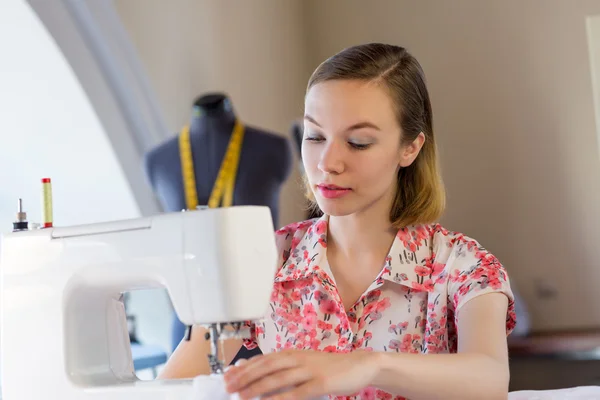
(301, 374)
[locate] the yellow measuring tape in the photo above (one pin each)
(222, 192)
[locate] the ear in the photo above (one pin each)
(409, 153)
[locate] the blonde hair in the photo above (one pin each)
(420, 196)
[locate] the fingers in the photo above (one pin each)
(258, 367)
(263, 374)
(237, 364)
(276, 384)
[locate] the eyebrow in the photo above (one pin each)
(360, 125)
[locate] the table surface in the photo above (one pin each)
(575, 393)
(568, 345)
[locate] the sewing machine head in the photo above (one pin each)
(63, 321)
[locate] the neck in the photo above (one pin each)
(214, 118)
(370, 229)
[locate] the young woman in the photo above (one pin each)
(374, 300)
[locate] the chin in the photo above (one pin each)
(336, 208)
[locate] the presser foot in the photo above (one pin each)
(215, 334)
(216, 366)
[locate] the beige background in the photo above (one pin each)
(511, 85)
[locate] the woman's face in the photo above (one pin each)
(352, 149)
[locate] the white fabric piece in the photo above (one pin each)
(212, 387)
(576, 393)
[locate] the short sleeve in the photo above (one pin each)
(476, 272)
(284, 238)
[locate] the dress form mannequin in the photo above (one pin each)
(265, 164)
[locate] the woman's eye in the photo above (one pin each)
(354, 145)
(359, 146)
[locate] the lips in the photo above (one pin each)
(332, 187)
(330, 191)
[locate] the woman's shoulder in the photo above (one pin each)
(466, 260)
(458, 253)
(444, 240)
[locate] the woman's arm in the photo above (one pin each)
(479, 370)
(190, 358)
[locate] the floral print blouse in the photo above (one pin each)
(412, 306)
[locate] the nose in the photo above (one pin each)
(331, 161)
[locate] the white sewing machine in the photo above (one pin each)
(64, 331)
